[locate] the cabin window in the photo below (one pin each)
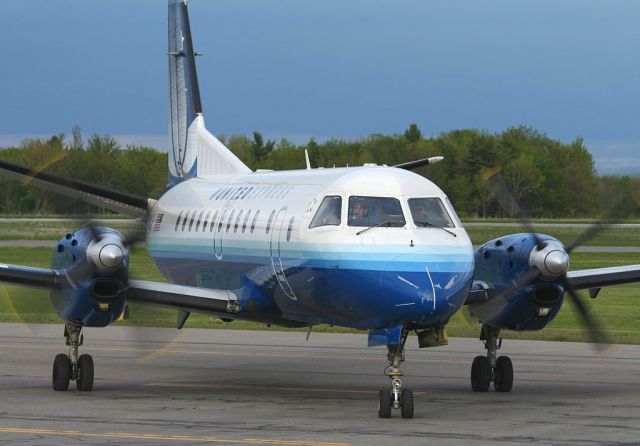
(178, 220)
(193, 218)
(247, 192)
(199, 221)
(226, 193)
(213, 221)
(328, 213)
(237, 223)
(290, 228)
(375, 211)
(273, 214)
(230, 219)
(429, 212)
(205, 221)
(184, 221)
(246, 219)
(221, 221)
(237, 194)
(255, 220)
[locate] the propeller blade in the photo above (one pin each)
(502, 194)
(135, 237)
(512, 288)
(587, 235)
(93, 227)
(598, 336)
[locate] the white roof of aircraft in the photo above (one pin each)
(378, 180)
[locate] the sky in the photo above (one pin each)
(330, 68)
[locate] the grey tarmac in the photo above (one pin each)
(195, 386)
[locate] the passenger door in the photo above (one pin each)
(278, 231)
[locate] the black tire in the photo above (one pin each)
(61, 372)
(384, 404)
(503, 379)
(480, 374)
(84, 383)
(406, 403)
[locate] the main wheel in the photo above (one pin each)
(503, 379)
(84, 383)
(61, 372)
(384, 404)
(480, 374)
(406, 403)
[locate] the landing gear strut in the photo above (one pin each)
(72, 367)
(397, 397)
(486, 369)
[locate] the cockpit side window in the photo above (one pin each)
(430, 212)
(328, 213)
(375, 211)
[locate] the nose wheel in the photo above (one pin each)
(396, 397)
(72, 367)
(486, 369)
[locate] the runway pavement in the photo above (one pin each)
(163, 386)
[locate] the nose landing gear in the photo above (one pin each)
(486, 369)
(72, 367)
(396, 397)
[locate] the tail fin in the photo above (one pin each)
(193, 152)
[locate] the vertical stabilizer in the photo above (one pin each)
(193, 151)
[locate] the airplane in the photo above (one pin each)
(373, 247)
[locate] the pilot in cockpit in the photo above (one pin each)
(359, 214)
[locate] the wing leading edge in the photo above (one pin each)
(601, 277)
(222, 303)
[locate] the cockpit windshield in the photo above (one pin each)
(328, 213)
(375, 211)
(429, 212)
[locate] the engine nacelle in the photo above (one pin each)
(500, 264)
(97, 273)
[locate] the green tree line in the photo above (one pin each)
(547, 177)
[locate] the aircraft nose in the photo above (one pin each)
(409, 288)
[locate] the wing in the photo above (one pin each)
(586, 279)
(601, 277)
(222, 303)
(41, 278)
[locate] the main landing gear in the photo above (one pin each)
(71, 367)
(397, 397)
(487, 368)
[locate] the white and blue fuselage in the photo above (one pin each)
(258, 234)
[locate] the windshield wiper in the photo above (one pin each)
(431, 225)
(384, 223)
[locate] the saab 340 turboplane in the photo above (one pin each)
(373, 247)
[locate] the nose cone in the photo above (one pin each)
(111, 256)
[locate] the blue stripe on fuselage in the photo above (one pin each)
(341, 288)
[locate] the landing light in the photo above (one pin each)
(543, 311)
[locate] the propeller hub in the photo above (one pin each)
(106, 254)
(550, 259)
(557, 262)
(111, 256)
